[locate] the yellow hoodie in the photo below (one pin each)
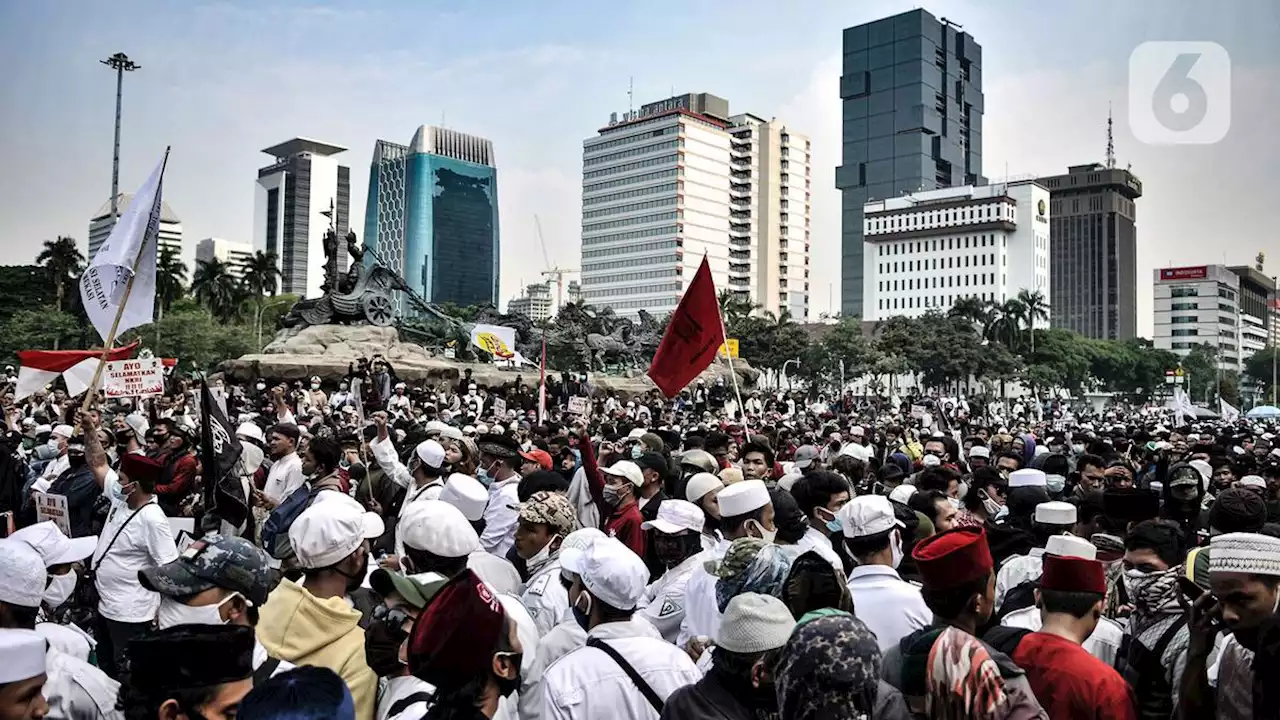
(298, 627)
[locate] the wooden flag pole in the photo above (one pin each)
(91, 394)
(724, 332)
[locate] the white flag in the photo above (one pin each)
(1229, 413)
(1183, 409)
(133, 239)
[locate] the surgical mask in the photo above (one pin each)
(636, 452)
(174, 613)
(769, 536)
(955, 502)
(611, 496)
(116, 490)
(895, 549)
(992, 507)
(962, 490)
(1055, 483)
(1077, 449)
(315, 386)
(59, 589)
(541, 557)
(833, 523)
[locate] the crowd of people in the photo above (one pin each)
(456, 551)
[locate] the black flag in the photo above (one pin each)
(219, 455)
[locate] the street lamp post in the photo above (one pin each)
(121, 64)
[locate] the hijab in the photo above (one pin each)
(829, 668)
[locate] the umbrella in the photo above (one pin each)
(1263, 412)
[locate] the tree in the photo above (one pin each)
(735, 308)
(63, 261)
(1259, 367)
(1201, 367)
(37, 328)
(214, 287)
(23, 287)
(171, 275)
(1034, 307)
(193, 335)
(260, 273)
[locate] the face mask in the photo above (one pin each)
(382, 648)
(636, 452)
(992, 507)
(59, 589)
(482, 475)
(261, 386)
(116, 491)
(895, 550)
(955, 502)
(962, 490)
(611, 496)
(506, 686)
(1077, 449)
(1055, 483)
(583, 617)
(833, 524)
(541, 557)
(767, 535)
(174, 613)
(315, 386)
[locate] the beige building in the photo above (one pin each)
(235, 254)
(535, 304)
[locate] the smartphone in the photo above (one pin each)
(1190, 588)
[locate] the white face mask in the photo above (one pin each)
(1078, 449)
(769, 536)
(541, 557)
(1055, 483)
(59, 588)
(174, 613)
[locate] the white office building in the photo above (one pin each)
(926, 250)
(232, 253)
(100, 225)
(535, 304)
(679, 179)
(1199, 305)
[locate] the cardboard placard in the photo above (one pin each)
(139, 378)
(579, 406)
(53, 507)
(499, 407)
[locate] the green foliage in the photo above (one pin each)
(39, 328)
(217, 289)
(1258, 367)
(466, 313)
(62, 260)
(23, 287)
(190, 333)
(171, 275)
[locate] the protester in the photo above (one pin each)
(546, 519)
(677, 542)
(890, 607)
(499, 469)
(1154, 654)
(436, 537)
(820, 495)
(402, 695)
(193, 671)
(830, 668)
(304, 693)
(22, 675)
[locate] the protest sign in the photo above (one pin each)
(54, 508)
(140, 378)
(499, 407)
(579, 406)
(918, 411)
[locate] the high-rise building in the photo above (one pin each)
(232, 253)
(925, 251)
(293, 199)
(912, 97)
(682, 178)
(432, 215)
(1095, 263)
(100, 225)
(535, 304)
(1256, 293)
(1198, 305)
(573, 293)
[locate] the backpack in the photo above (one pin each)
(1143, 668)
(275, 529)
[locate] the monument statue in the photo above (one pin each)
(363, 295)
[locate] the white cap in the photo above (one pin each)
(24, 655)
(1253, 481)
(867, 515)
(755, 623)
(431, 453)
(577, 541)
(980, 451)
(482, 429)
(1041, 450)
(700, 484)
(676, 516)
(439, 528)
(1056, 513)
(1027, 477)
(65, 431)
(743, 497)
(435, 426)
(856, 451)
(609, 571)
(499, 429)
(44, 429)
(1252, 553)
(856, 431)
(249, 430)
(467, 494)
(331, 529)
(54, 547)
(1204, 468)
(399, 385)
(635, 433)
(1071, 546)
(902, 493)
(626, 469)
(469, 430)
(24, 574)
(137, 424)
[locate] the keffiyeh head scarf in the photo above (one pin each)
(829, 668)
(751, 565)
(963, 681)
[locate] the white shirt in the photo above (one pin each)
(663, 603)
(701, 611)
(500, 520)
(545, 597)
(384, 452)
(76, 690)
(260, 656)
(284, 477)
(891, 607)
(1103, 643)
(1017, 570)
(817, 541)
(55, 468)
(587, 684)
(398, 402)
(146, 541)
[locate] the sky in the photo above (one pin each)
(220, 80)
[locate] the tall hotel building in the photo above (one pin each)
(682, 178)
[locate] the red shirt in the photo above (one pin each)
(624, 524)
(1070, 683)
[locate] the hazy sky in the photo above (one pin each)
(221, 80)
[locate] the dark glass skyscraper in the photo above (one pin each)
(912, 92)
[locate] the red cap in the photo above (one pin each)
(140, 468)
(538, 455)
(953, 557)
(1073, 574)
(454, 639)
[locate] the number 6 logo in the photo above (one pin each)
(1179, 93)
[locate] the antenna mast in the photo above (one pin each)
(1111, 143)
(631, 89)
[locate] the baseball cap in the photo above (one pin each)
(538, 455)
(676, 516)
(610, 571)
(805, 455)
(438, 528)
(417, 590)
(251, 431)
(551, 509)
(431, 453)
(700, 484)
(867, 515)
(467, 494)
(214, 561)
(626, 469)
(53, 547)
(24, 574)
(331, 529)
(577, 541)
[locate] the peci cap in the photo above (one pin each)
(953, 558)
(438, 528)
(1055, 513)
(743, 497)
(867, 515)
(675, 516)
(1071, 546)
(214, 561)
(24, 574)
(699, 485)
(53, 547)
(1252, 553)
(184, 657)
(625, 469)
(1073, 574)
(467, 494)
(331, 529)
(755, 623)
(137, 468)
(1027, 477)
(24, 655)
(454, 639)
(610, 571)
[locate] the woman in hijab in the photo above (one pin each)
(830, 668)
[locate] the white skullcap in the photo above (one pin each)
(438, 528)
(64, 431)
(1027, 477)
(431, 453)
(1252, 553)
(700, 484)
(755, 623)
(1253, 481)
(54, 547)
(577, 541)
(467, 494)
(1071, 546)
(1056, 513)
(980, 451)
(743, 497)
(24, 655)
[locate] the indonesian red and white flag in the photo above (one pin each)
(41, 367)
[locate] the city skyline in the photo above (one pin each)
(221, 80)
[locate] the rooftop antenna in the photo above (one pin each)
(953, 24)
(1111, 143)
(631, 95)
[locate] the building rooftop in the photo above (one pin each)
(166, 213)
(1254, 275)
(301, 145)
(433, 140)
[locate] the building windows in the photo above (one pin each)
(651, 162)
(643, 219)
(1185, 332)
(639, 192)
(633, 207)
(631, 235)
(630, 139)
(633, 180)
(1184, 292)
(631, 152)
(634, 262)
(629, 277)
(647, 289)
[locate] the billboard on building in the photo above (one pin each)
(1198, 272)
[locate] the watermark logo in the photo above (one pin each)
(1179, 93)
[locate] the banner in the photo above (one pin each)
(729, 348)
(128, 252)
(54, 508)
(1229, 412)
(219, 458)
(498, 341)
(692, 337)
(139, 378)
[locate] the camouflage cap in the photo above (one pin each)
(549, 508)
(214, 561)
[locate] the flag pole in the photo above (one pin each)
(733, 376)
(542, 382)
(91, 394)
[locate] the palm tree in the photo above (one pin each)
(735, 307)
(1006, 321)
(1034, 307)
(974, 309)
(63, 261)
(259, 274)
(216, 288)
(171, 275)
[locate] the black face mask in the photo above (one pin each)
(355, 581)
(382, 648)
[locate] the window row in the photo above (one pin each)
(630, 139)
(935, 218)
(650, 162)
(930, 301)
(1185, 332)
(630, 277)
(643, 219)
(655, 303)
(1184, 292)
(954, 243)
(615, 292)
(629, 249)
(637, 262)
(946, 263)
(633, 180)
(638, 192)
(619, 209)
(633, 152)
(632, 235)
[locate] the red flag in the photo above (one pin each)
(692, 338)
(41, 367)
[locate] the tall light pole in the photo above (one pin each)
(120, 63)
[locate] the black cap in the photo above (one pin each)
(191, 656)
(653, 461)
(499, 446)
